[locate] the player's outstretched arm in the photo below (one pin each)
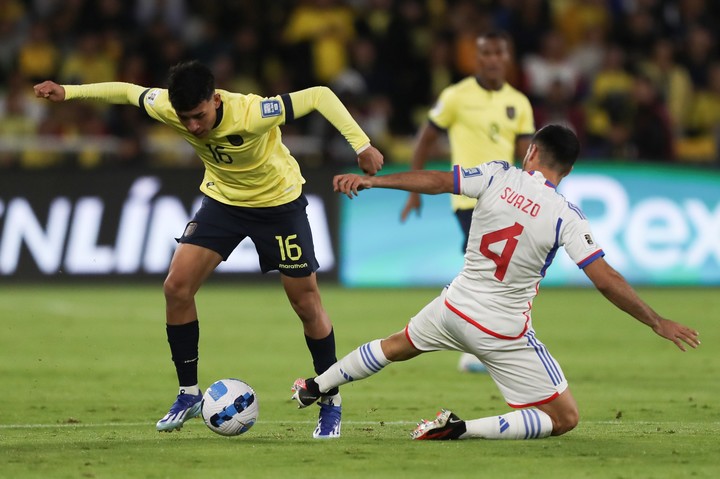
(119, 93)
(324, 101)
(614, 287)
(50, 91)
(429, 182)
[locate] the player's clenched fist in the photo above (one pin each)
(370, 160)
(50, 91)
(350, 184)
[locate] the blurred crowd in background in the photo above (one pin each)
(636, 79)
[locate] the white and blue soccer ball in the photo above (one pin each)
(229, 407)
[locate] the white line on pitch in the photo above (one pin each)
(352, 423)
(137, 424)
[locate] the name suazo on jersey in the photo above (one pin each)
(518, 224)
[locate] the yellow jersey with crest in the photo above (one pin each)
(246, 163)
(482, 125)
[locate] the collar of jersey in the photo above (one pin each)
(540, 176)
(218, 116)
(477, 80)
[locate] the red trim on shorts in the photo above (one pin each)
(486, 330)
(544, 401)
(407, 335)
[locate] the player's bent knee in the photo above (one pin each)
(177, 291)
(566, 422)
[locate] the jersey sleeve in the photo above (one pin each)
(155, 102)
(577, 238)
(119, 93)
(324, 101)
(472, 182)
(265, 113)
(442, 114)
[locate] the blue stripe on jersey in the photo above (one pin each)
(368, 358)
(597, 254)
(456, 179)
(490, 182)
(505, 165)
(289, 111)
(576, 210)
(545, 358)
(551, 254)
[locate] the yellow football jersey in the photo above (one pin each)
(246, 163)
(482, 125)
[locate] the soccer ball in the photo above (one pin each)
(229, 407)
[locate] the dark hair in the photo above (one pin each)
(494, 35)
(189, 84)
(558, 147)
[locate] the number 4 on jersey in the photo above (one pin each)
(501, 260)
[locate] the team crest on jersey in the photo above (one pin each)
(235, 140)
(270, 108)
(467, 172)
(510, 110)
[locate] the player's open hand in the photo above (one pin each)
(677, 333)
(370, 160)
(350, 184)
(413, 203)
(50, 91)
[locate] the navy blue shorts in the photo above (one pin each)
(281, 234)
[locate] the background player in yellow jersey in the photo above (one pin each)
(253, 188)
(486, 119)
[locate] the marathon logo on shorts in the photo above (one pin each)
(270, 108)
(292, 266)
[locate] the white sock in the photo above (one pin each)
(365, 361)
(520, 424)
(194, 390)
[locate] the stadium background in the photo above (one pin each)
(91, 191)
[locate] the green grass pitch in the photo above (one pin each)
(85, 373)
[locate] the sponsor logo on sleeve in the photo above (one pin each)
(270, 108)
(152, 96)
(468, 172)
(588, 241)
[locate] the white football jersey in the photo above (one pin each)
(518, 225)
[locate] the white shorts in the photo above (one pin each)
(523, 369)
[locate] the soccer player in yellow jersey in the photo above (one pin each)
(486, 119)
(253, 188)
